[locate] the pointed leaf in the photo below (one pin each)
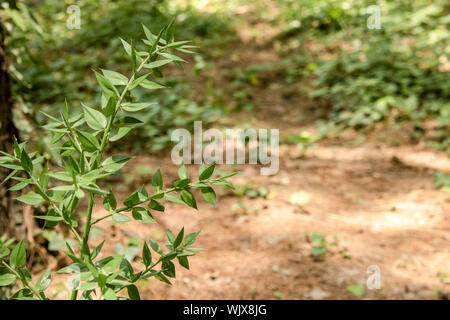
(18, 255)
(95, 119)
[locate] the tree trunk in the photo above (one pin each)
(7, 132)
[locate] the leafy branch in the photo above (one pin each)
(82, 139)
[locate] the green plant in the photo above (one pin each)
(442, 181)
(304, 140)
(361, 77)
(357, 289)
(83, 139)
(251, 191)
(320, 245)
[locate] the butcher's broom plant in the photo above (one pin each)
(83, 140)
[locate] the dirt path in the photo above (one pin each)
(375, 203)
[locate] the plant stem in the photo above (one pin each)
(87, 227)
(47, 198)
(24, 281)
(73, 296)
(119, 101)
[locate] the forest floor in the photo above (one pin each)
(373, 200)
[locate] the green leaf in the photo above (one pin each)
(137, 81)
(31, 198)
(177, 44)
(115, 163)
(171, 57)
(137, 197)
(151, 85)
(17, 149)
(133, 57)
(155, 246)
(181, 183)
(169, 268)
(226, 176)
(44, 178)
(95, 119)
(113, 264)
(7, 279)
(185, 254)
(117, 134)
(157, 181)
(92, 176)
(150, 36)
(146, 255)
(65, 111)
(157, 63)
(170, 237)
(158, 195)
(188, 198)
(62, 176)
(179, 239)
(64, 188)
(101, 280)
(120, 218)
(110, 107)
(44, 281)
(51, 213)
(357, 290)
(182, 172)
(110, 203)
(88, 141)
(198, 185)
(194, 249)
(4, 252)
(72, 166)
(318, 251)
(126, 122)
(25, 161)
(49, 218)
(126, 46)
(183, 261)
(158, 40)
(95, 189)
(97, 250)
(19, 186)
(162, 278)
(190, 238)
(155, 205)
(115, 78)
(86, 286)
(133, 292)
(18, 255)
(171, 198)
(109, 294)
(22, 294)
(135, 107)
(170, 32)
(107, 87)
(206, 173)
(209, 195)
(25, 274)
(142, 215)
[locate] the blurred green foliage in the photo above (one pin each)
(52, 62)
(358, 76)
(394, 74)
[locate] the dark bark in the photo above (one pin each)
(7, 132)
